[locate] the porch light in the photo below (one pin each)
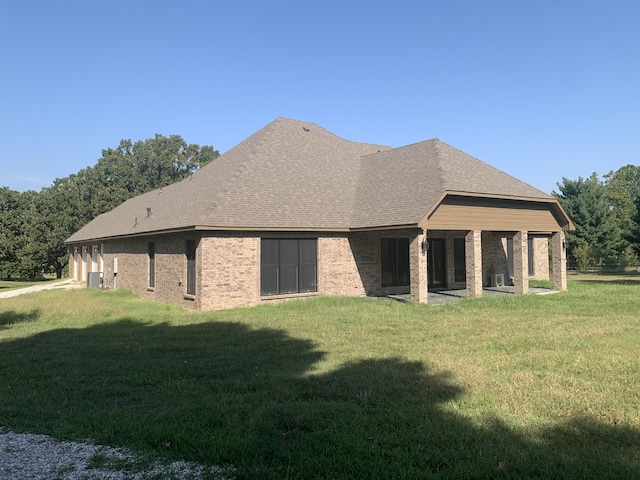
(425, 246)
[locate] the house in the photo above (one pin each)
(296, 211)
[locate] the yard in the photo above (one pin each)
(337, 388)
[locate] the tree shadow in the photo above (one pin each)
(11, 317)
(222, 392)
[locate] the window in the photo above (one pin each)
(531, 257)
(459, 260)
(191, 267)
(394, 253)
(288, 266)
(152, 264)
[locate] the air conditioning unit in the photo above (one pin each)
(94, 280)
(497, 280)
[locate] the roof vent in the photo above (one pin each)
(148, 212)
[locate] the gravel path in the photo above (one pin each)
(39, 457)
(37, 288)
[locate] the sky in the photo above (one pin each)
(543, 90)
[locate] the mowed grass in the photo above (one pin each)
(499, 387)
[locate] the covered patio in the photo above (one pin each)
(506, 243)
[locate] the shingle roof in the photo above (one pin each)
(294, 175)
(399, 186)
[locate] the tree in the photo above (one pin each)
(622, 189)
(596, 227)
(635, 231)
(14, 218)
(135, 168)
(56, 212)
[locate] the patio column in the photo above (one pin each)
(83, 263)
(559, 253)
(473, 256)
(72, 264)
(521, 262)
(418, 268)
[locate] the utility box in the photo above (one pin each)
(497, 280)
(94, 279)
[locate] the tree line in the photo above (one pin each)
(606, 214)
(34, 225)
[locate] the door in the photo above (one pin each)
(436, 265)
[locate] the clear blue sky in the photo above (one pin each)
(540, 89)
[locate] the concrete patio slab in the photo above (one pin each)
(447, 296)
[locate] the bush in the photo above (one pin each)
(628, 258)
(583, 256)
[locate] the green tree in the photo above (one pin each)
(14, 218)
(56, 212)
(135, 168)
(622, 190)
(635, 231)
(596, 227)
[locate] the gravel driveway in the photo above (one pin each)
(39, 457)
(47, 286)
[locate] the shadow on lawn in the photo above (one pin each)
(12, 317)
(224, 393)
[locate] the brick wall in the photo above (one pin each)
(338, 272)
(228, 265)
(170, 267)
(230, 271)
(494, 257)
(541, 270)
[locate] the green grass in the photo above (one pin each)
(500, 387)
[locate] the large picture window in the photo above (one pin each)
(191, 267)
(288, 266)
(394, 253)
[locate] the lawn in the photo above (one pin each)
(500, 387)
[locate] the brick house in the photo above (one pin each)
(297, 211)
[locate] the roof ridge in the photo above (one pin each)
(438, 158)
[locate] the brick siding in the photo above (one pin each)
(228, 265)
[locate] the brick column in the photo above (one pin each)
(72, 264)
(418, 268)
(559, 253)
(473, 256)
(521, 262)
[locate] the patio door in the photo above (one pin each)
(436, 264)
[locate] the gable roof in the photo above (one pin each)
(294, 175)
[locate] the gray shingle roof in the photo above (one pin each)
(293, 175)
